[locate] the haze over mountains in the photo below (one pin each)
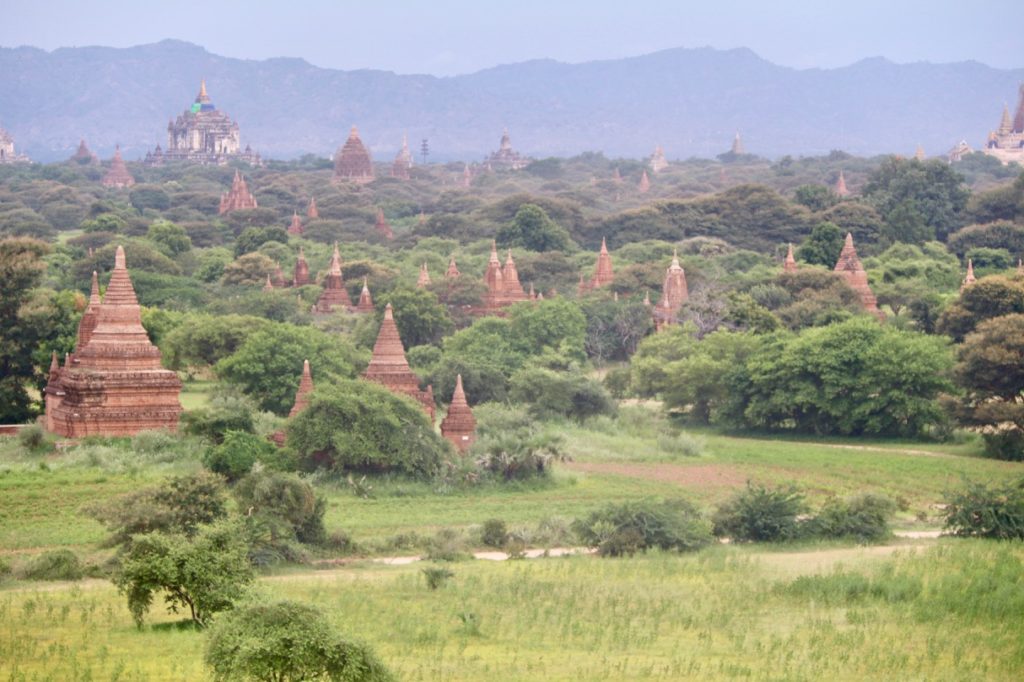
(690, 101)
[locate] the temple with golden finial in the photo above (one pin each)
(1006, 142)
(352, 161)
(204, 135)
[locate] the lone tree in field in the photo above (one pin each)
(287, 642)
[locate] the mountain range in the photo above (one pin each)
(689, 101)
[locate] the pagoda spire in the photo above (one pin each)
(389, 367)
(424, 279)
(645, 183)
(1005, 122)
(459, 425)
(510, 277)
(311, 211)
(305, 388)
(383, 229)
(603, 274)
(296, 224)
(970, 278)
(269, 286)
(851, 269)
(790, 264)
(301, 276)
(334, 293)
(841, 190)
(365, 304)
(89, 318)
(453, 269)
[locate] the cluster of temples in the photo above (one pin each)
(113, 383)
(203, 135)
(7, 153)
(1006, 142)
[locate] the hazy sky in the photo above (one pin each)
(445, 37)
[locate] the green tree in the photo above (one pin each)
(815, 197)
(554, 324)
(511, 445)
(149, 196)
(268, 365)
(253, 238)
(559, 394)
(419, 316)
(988, 298)
(252, 268)
(206, 339)
(171, 239)
(21, 269)
(996, 235)
(206, 573)
(532, 229)
(917, 200)
(823, 245)
(236, 454)
(287, 641)
(286, 504)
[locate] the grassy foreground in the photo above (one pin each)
(950, 611)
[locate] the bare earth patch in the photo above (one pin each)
(685, 475)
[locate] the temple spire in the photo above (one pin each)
(841, 190)
(305, 388)
(970, 278)
(459, 425)
(424, 279)
(453, 269)
(790, 263)
(389, 367)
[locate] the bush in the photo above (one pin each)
(234, 458)
(58, 564)
(494, 533)
(5, 569)
(447, 545)
(682, 444)
(32, 437)
(437, 577)
(986, 512)
(864, 517)
(759, 514)
(550, 394)
(511, 446)
(228, 413)
(624, 529)
(288, 506)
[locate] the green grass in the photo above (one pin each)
(196, 394)
(951, 612)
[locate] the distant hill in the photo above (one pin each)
(690, 101)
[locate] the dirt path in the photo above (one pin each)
(688, 475)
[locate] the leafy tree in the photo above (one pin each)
(253, 238)
(760, 514)
(224, 413)
(139, 254)
(104, 223)
(236, 454)
(614, 328)
(486, 354)
(988, 298)
(859, 219)
(630, 527)
(206, 573)
(287, 641)
(864, 517)
(997, 235)
(149, 196)
(359, 426)
(511, 445)
(918, 200)
(999, 204)
(823, 245)
(983, 511)
(815, 298)
(207, 339)
(532, 229)
(559, 394)
(288, 505)
(815, 197)
(985, 258)
(556, 324)
(21, 269)
(171, 239)
(268, 365)
(992, 376)
(252, 268)
(419, 316)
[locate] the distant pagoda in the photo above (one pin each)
(403, 161)
(203, 135)
(365, 304)
(459, 425)
(301, 275)
(295, 227)
(311, 211)
(304, 390)
(389, 367)
(1006, 142)
(114, 384)
(658, 162)
(453, 270)
(645, 183)
(7, 153)
(117, 175)
(238, 197)
(674, 293)
(603, 275)
(423, 281)
(840, 188)
(352, 160)
(852, 270)
(789, 265)
(83, 156)
(382, 226)
(506, 158)
(334, 294)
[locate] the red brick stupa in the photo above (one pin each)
(118, 175)
(84, 155)
(423, 281)
(89, 318)
(453, 270)
(503, 286)
(403, 161)
(840, 189)
(383, 229)
(459, 425)
(334, 293)
(301, 276)
(789, 265)
(852, 270)
(674, 294)
(352, 160)
(603, 274)
(296, 224)
(311, 211)
(115, 385)
(645, 183)
(970, 278)
(365, 304)
(389, 367)
(239, 197)
(305, 388)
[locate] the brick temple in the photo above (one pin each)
(238, 197)
(403, 161)
(852, 270)
(674, 293)
(334, 294)
(305, 388)
(603, 275)
(389, 368)
(301, 275)
(1006, 142)
(459, 425)
(506, 158)
(352, 160)
(117, 175)
(113, 384)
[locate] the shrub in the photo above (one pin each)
(617, 380)
(447, 545)
(234, 457)
(624, 529)
(759, 514)
(494, 533)
(682, 444)
(986, 512)
(227, 413)
(288, 506)
(511, 446)
(32, 437)
(550, 394)
(5, 569)
(437, 577)
(58, 564)
(864, 517)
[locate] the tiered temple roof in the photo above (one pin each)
(89, 318)
(382, 227)
(278, 277)
(453, 270)
(301, 276)
(645, 183)
(334, 293)
(84, 155)
(239, 197)
(389, 367)
(459, 425)
(840, 189)
(118, 175)
(423, 281)
(365, 304)
(852, 270)
(506, 158)
(114, 385)
(305, 388)
(296, 225)
(352, 160)
(503, 286)
(658, 162)
(203, 135)
(603, 275)
(789, 265)
(1006, 143)
(674, 294)
(403, 161)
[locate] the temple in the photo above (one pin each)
(503, 286)
(382, 227)
(117, 175)
(389, 368)
(1006, 143)
(238, 197)
(959, 151)
(506, 158)
(603, 274)
(459, 425)
(645, 183)
(840, 188)
(852, 270)
(83, 155)
(334, 293)
(89, 318)
(352, 160)
(305, 388)
(365, 304)
(453, 270)
(296, 225)
(789, 265)
(311, 211)
(674, 294)
(7, 153)
(114, 384)
(423, 281)
(403, 161)
(919, 153)
(301, 274)
(658, 162)
(969, 279)
(737, 145)
(203, 135)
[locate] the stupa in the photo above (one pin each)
(84, 156)
(334, 293)
(7, 153)
(268, 285)
(514, 292)
(365, 304)
(301, 275)
(789, 265)
(603, 275)
(382, 227)
(311, 211)
(278, 277)
(840, 188)
(389, 367)
(459, 425)
(969, 279)
(919, 153)
(674, 294)
(423, 281)
(1006, 143)
(238, 198)
(114, 385)
(352, 160)
(852, 270)
(737, 146)
(467, 176)
(89, 318)
(403, 161)
(645, 183)
(296, 225)
(506, 158)
(203, 135)
(117, 175)
(305, 388)
(453, 270)
(658, 162)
